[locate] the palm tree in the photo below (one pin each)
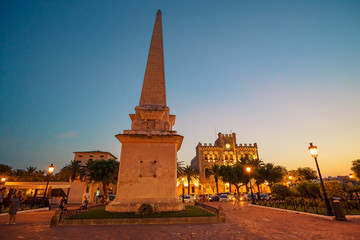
(74, 168)
(256, 164)
(190, 173)
(216, 172)
(179, 168)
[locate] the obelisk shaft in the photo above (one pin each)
(153, 90)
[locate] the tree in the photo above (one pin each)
(18, 175)
(215, 171)
(303, 174)
(104, 171)
(272, 173)
(190, 173)
(235, 175)
(179, 168)
(356, 167)
(5, 170)
(280, 191)
(256, 164)
(74, 169)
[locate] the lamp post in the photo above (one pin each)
(50, 171)
(314, 154)
(248, 169)
(183, 190)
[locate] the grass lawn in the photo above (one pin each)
(100, 213)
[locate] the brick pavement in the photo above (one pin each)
(242, 222)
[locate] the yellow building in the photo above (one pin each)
(84, 157)
(225, 150)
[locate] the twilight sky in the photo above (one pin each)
(278, 73)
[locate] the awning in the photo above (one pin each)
(36, 186)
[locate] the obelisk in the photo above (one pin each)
(147, 172)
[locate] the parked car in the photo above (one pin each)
(224, 198)
(215, 198)
(229, 194)
(264, 196)
(112, 197)
(208, 196)
(249, 197)
(243, 197)
(188, 198)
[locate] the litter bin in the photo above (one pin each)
(338, 210)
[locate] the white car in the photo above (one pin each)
(224, 198)
(188, 198)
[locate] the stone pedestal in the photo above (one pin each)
(147, 173)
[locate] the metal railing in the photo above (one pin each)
(31, 203)
(208, 208)
(314, 205)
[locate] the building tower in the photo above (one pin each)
(148, 162)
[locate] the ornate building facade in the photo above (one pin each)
(224, 151)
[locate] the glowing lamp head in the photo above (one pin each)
(227, 145)
(290, 177)
(351, 176)
(313, 150)
(182, 179)
(51, 168)
(248, 169)
(3, 179)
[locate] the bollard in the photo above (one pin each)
(221, 214)
(55, 219)
(338, 210)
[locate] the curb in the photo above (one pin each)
(180, 220)
(26, 211)
(309, 214)
(297, 212)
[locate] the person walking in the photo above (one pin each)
(16, 200)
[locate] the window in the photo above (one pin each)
(91, 155)
(192, 189)
(80, 155)
(102, 156)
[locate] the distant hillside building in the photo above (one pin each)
(224, 151)
(84, 157)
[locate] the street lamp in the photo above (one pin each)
(50, 171)
(314, 154)
(183, 190)
(3, 180)
(248, 169)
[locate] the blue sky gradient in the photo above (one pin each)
(279, 73)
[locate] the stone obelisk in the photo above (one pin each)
(147, 172)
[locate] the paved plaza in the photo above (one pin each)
(244, 222)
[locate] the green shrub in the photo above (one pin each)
(145, 209)
(308, 189)
(280, 191)
(334, 189)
